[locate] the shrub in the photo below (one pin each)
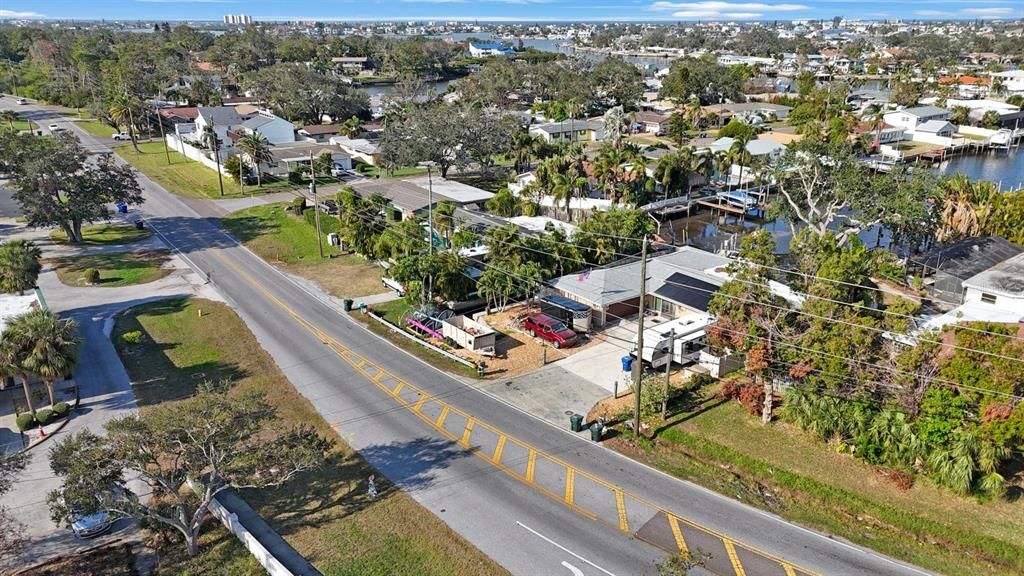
(61, 408)
(295, 177)
(26, 421)
(44, 416)
(91, 275)
(299, 204)
(328, 223)
(749, 394)
(133, 337)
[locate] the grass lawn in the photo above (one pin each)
(912, 148)
(105, 234)
(20, 125)
(375, 172)
(783, 469)
(96, 128)
(323, 514)
(116, 269)
(290, 242)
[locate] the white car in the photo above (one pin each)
(56, 128)
(122, 136)
(21, 101)
(92, 525)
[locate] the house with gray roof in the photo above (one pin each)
(569, 131)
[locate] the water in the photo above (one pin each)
(1005, 167)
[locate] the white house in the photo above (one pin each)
(358, 148)
(1013, 81)
(569, 131)
(1000, 287)
(488, 49)
(288, 155)
(222, 119)
(910, 118)
(276, 129)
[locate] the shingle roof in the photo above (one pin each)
(969, 256)
(923, 111)
(220, 115)
(1006, 278)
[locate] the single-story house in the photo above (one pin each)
(569, 131)
(881, 133)
(358, 148)
(411, 196)
(287, 156)
(178, 115)
(651, 122)
(353, 65)
(319, 132)
(910, 118)
(765, 110)
(1001, 287)
(679, 281)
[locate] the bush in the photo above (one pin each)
(61, 408)
(749, 394)
(299, 204)
(44, 416)
(133, 337)
(328, 223)
(26, 421)
(295, 177)
(91, 275)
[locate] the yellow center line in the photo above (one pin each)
(467, 432)
(620, 505)
(570, 484)
(789, 569)
(441, 417)
(359, 363)
(673, 523)
(730, 549)
(498, 449)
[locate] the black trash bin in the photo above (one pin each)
(576, 422)
(596, 430)
(346, 304)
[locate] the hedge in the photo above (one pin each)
(61, 408)
(44, 416)
(26, 421)
(328, 223)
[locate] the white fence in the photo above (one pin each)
(261, 554)
(193, 153)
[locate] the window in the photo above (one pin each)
(988, 298)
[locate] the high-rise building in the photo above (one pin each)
(237, 19)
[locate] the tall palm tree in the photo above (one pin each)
(211, 139)
(444, 221)
(740, 154)
(9, 116)
(11, 357)
(694, 113)
(19, 266)
(616, 123)
(256, 146)
(352, 127)
(122, 111)
(523, 146)
(52, 345)
(672, 173)
(966, 206)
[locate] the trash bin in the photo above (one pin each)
(480, 369)
(362, 307)
(627, 363)
(346, 304)
(595, 432)
(140, 225)
(576, 422)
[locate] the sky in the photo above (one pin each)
(511, 10)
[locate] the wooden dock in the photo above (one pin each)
(719, 204)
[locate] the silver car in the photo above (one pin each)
(92, 524)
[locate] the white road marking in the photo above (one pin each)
(564, 549)
(575, 571)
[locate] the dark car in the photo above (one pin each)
(550, 329)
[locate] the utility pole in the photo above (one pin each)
(668, 371)
(638, 373)
(430, 224)
(163, 137)
(316, 205)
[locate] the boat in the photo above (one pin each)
(738, 199)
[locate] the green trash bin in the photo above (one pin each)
(576, 422)
(596, 430)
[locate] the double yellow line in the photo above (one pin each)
(360, 364)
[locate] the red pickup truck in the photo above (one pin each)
(550, 329)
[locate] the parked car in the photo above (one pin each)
(550, 329)
(56, 128)
(122, 136)
(92, 524)
(329, 206)
(21, 101)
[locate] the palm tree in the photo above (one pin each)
(11, 356)
(616, 123)
(122, 111)
(694, 113)
(352, 127)
(740, 154)
(257, 148)
(523, 146)
(444, 221)
(213, 142)
(965, 206)
(19, 266)
(10, 116)
(52, 349)
(672, 173)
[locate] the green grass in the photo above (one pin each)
(783, 469)
(105, 234)
(286, 240)
(20, 125)
(323, 514)
(194, 180)
(116, 269)
(375, 172)
(96, 128)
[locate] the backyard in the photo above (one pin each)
(784, 470)
(289, 241)
(322, 514)
(115, 269)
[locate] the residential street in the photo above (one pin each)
(526, 521)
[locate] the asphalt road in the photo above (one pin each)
(412, 422)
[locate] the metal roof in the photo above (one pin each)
(969, 256)
(1005, 278)
(220, 115)
(923, 111)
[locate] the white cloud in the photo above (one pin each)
(189, 1)
(16, 14)
(723, 10)
(932, 13)
(988, 11)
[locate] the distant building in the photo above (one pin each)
(237, 19)
(488, 49)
